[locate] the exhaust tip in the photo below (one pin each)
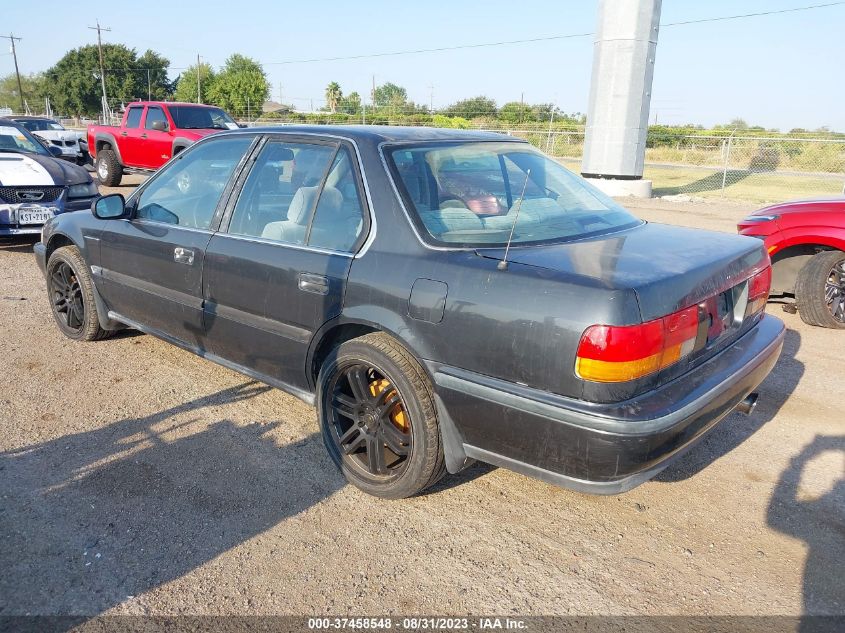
(747, 406)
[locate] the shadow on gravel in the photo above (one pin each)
(92, 518)
(819, 521)
(736, 428)
(18, 245)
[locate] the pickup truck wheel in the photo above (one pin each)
(71, 294)
(109, 170)
(378, 418)
(820, 290)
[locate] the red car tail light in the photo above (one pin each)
(610, 353)
(758, 291)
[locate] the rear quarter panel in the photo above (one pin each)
(522, 325)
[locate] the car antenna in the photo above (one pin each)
(503, 265)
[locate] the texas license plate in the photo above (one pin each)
(34, 216)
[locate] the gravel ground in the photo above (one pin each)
(139, 479)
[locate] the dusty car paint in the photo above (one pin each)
(499, 346)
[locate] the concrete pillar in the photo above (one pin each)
(620, 95)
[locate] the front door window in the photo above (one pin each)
(188, 191)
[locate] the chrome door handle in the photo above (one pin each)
(183, 255)
(317, 284)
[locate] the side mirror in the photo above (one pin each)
(109, 207)
(55, 151)
(160, 126)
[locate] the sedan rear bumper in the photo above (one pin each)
(603, 448)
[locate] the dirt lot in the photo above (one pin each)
(137, 478)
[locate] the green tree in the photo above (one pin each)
(33, 91)
(472, 108)
(240, 87)
(334, 95)
(152, 75)
(73, 84)
(390, 94)
(186, 84)
(516, 112)
(350, 104)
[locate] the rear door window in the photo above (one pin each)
(133, 119)
(280, 194)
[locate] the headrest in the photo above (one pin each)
(303, 202)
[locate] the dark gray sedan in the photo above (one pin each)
(441, 296)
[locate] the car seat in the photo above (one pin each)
(293, 229)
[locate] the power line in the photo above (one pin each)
(541, 39)
(754, 15)
(429, 50)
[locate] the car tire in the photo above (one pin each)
(364, 386)
(70, 291)
(109, 170)
(820, 290)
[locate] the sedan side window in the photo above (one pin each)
(339, 218)
(280, 193)
(187, 191)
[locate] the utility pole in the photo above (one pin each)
(280, 93)
(620, 96)
(11, 37)
(521, 106)
(199, 88)
(99, 28)
(373, 95)
(149, 87)
(431, 99)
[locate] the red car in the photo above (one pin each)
(150, 134)
(806, 241)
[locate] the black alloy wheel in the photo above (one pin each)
(71, 293)
(378, 417)
(369, 421)
(66, 291)
(820, 290)
(834, 291)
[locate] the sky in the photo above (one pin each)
(779, 71)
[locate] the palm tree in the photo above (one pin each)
(333, 95)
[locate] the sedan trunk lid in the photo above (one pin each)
(668, 267)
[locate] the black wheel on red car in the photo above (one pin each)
(820, 290)
(378, 419)
(71, 294)
(108, 168)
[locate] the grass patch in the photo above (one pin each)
(740, 185)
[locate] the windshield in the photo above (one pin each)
(468, 194)
(15, 139)
(40, 125)
(187, 117)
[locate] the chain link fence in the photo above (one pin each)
(734, 166)
(753, 168)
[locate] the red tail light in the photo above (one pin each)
(758, 291)
(610, 353)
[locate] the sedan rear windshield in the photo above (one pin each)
(473, 194)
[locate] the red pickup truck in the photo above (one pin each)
(150, 134)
